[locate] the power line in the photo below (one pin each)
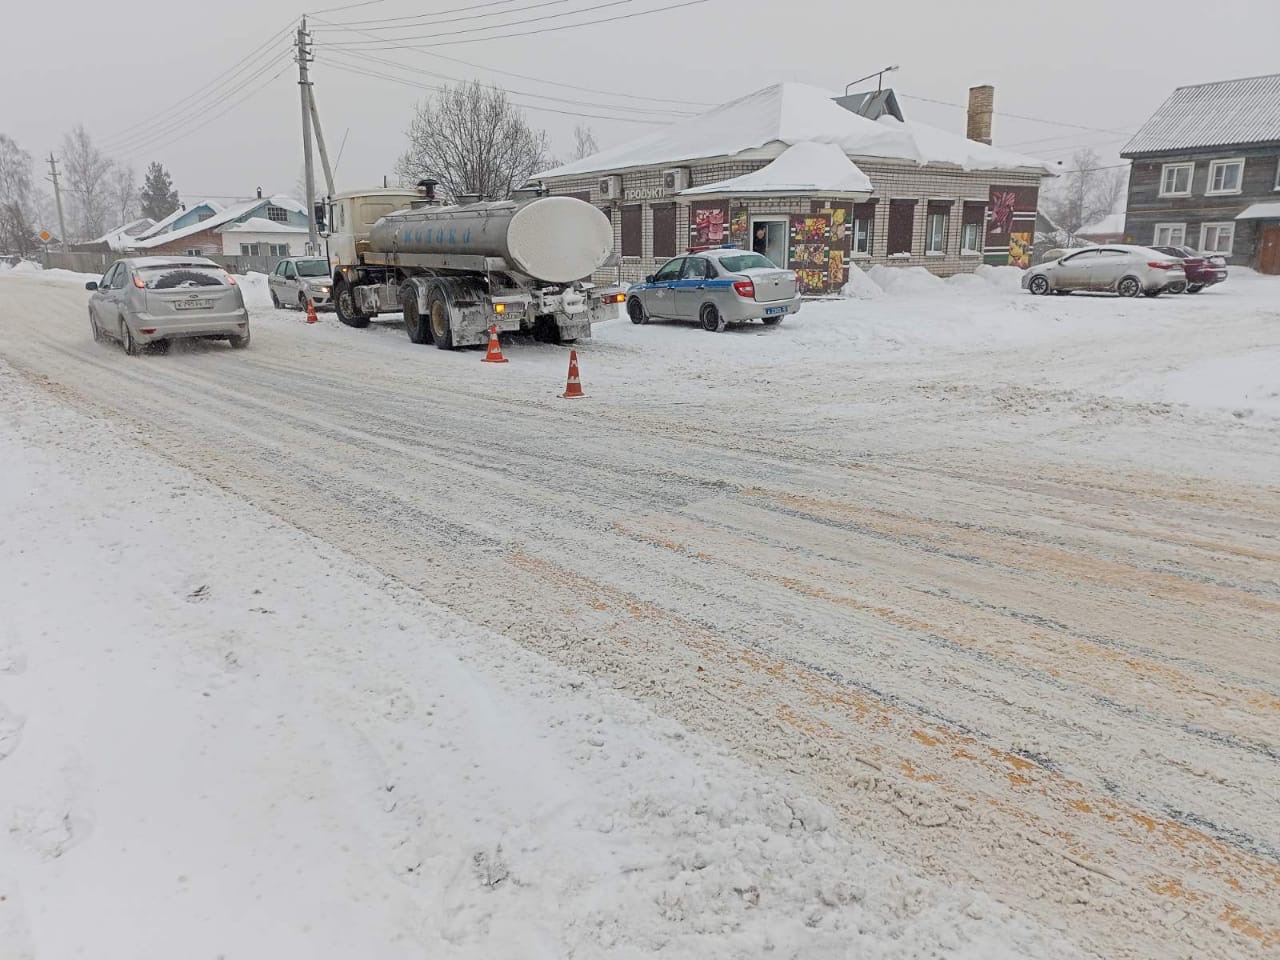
(556, 83)
(397, 23)
(651, 111)
(360, 44)
(1019, 116)
(202, 91)
(526, 33)
(527, 106)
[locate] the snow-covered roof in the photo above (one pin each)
(805, 168)
(789, 113)
(1261, 211)
(223, 216)
(178, 214)
(123, 236)
(1111, 223)
(261, 225)
(1225, 113)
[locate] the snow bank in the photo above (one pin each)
(1006, 278)
(905, 280)
(257, 290)
(1244, 384)
(860, 286)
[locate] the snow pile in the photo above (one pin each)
(807, 167)
(905, 280)
(860, 286)
(1245, 384)
(256, 289)
(22, 266)
(1006, 278)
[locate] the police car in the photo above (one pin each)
(716, 287)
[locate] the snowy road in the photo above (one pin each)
(985, 590)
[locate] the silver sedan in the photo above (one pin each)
(715, 288)
(155, 300)
(1118, 268)
(298, 279)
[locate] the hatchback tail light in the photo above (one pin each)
(139, 283)
(745, 289)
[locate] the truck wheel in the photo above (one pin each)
(344, 302)
(438, 312)
(414, 325)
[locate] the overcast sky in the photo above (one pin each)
(116, 66)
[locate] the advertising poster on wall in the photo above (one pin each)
(841, 242)
(708, 224)
(810, 250)
(739, 233)
(1012, 212)
(1020, 245)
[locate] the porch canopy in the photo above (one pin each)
(1261, 211)
(805, 169)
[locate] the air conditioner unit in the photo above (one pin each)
(675, 180)
(611, 188)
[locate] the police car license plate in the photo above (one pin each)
(772, 311)
(192, 304)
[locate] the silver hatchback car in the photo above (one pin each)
(716, 287)
(155, 300)
(1119, 268)
(295, 281)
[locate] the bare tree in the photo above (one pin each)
(123, 189)
(17, 198)
(471, 139)
(88, 173)
(584, 142)
(1087, 193)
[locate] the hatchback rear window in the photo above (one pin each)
(177, 277)
(745, 261)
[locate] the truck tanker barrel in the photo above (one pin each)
(552, 239)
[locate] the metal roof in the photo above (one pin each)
(1225, 113)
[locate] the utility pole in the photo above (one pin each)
(57, 196)
(304, 87)
(324, 154)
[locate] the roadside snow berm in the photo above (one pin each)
(494, 354)
(311, 312)
(573, 388)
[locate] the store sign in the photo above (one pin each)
(643, 193)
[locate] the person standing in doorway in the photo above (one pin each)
(761, 242)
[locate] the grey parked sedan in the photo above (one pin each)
(1120, 268)
(295, 281)
(154, 300)
(715, 288)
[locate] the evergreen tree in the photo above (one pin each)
(159, 199)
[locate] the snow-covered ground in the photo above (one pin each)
(916, 602)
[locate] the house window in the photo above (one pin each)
(195, 252)
(902, 214)
(864, 218)
(1225, 176)
(975, 216)
(277, 249)
(1278, 174)
(1217, 237)
(277, 214)
(1171, 234)
(249, 250)
(1175, 179)
(935, 234)
(664, 230)
(632, 230)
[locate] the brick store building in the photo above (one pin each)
(815, 185)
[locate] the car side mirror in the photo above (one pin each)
(91, 285)
(649, 278)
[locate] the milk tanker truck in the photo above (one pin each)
(455, 270)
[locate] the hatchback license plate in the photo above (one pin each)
(192, 304)
(771, 311)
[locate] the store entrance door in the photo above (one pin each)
(769, 237)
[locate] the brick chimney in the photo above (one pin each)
(982, 102)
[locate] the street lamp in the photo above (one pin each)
(879, 75)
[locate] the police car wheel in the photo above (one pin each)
(635, 310)
(711, 319)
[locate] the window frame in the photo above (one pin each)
(1189, 166)
(1219, 225)
(290, 271)
(678, 261)
(908, 222)
(703, 267)
(272, 208)
(1216, 165)
(1277, 186)
(273, 249)
(929, 220)
(1170, 241)
(855, 235)
(194, 252)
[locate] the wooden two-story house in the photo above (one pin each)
(1206, 172)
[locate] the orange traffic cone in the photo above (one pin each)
(573, 388)
(495, 351)
(311, 312)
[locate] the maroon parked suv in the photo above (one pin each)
(1202, 271)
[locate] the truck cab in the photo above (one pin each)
(352, 215)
